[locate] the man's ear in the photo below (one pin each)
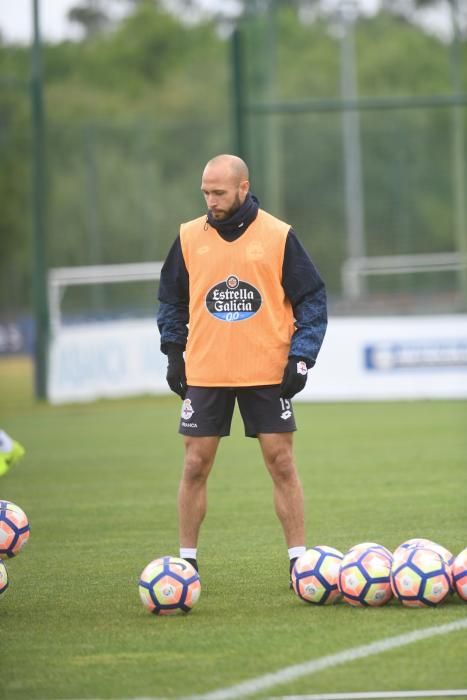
(244, 188)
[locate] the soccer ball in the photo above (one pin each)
(3, 578)
(459, 574)
(14, 529)
(315, 573)
(362, 546)
(401, 550)
(169, 585)
(421, 579)
(364, 575)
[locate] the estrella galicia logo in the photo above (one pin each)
(233, 300)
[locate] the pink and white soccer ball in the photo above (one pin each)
(421, 578)
(459, 574)
(361, 546)
(14, 529)
(364, 575)
(3, 578)
(315, 574)
(447, 556)
(169, 585)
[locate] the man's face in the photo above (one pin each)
(222, 191)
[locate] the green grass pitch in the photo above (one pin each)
(99, 485)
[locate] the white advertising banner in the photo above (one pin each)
(406, 357)
(106, 360)
(384, 358)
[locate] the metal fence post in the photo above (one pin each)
(351, 143)
(458, 150)
(39, 211)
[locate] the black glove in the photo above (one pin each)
(295, 376)
(176, 377)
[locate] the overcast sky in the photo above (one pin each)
(16, 17)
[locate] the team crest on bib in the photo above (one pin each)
(233, 299)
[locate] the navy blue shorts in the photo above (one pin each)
(208, 411)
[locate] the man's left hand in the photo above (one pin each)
(295, 376)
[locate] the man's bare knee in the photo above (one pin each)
(196, 468)
(281, 465)
(199, 457)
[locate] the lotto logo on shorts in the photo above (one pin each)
(286, 412)
(233, 300)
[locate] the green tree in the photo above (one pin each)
(134, 111)
(90, 16)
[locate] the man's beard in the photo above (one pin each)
(224, 215)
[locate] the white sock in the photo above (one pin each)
(188, 552)
(295, 552)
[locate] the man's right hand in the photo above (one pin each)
(176, 377)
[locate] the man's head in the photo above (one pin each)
(225, 185)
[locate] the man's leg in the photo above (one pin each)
(278, 456)
(192, 495)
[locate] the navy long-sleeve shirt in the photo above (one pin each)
(302, 285)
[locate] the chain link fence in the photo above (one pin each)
(117, 190)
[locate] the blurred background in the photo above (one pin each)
(350, 113)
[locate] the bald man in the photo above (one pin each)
(242, 318)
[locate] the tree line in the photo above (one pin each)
(135, 108)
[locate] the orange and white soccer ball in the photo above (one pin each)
(315, 574)
(14, 529)
(169, 585)
(421, 578)
(459, 574)
(364, 575)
